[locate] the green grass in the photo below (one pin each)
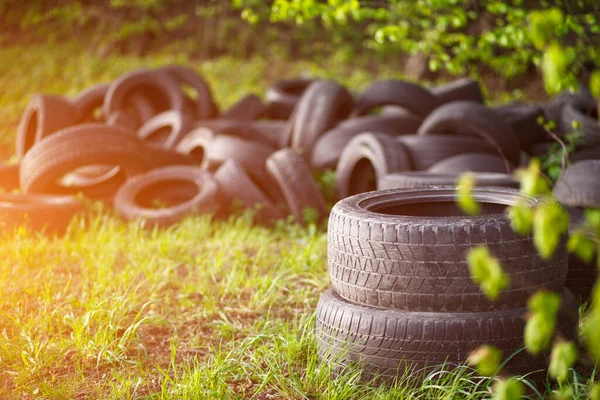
(205, 309)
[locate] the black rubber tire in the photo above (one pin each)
(425, 151)
(83, 145)
(39, 213)
(9, 177)
(204, 104)
(421, 179)
(166, 128)
(159, 87)
(127, 201)
(366, 158)
(582, 99)
(322, 106)
(283, 96)
(328, 149)
(99, 182)
(210, 150)
(236, 186)
(248, 108)
(473, 119)
(294, 178)
(586, 153)
(407, 249)
(589, 126)
(410, 96)
(88, 101)
(524, 120)
(141, 107)
(471, 162)
(390, 344)
(264, 132)
(465, 89)
(122, 120)
(579, 185)
(44, 115)
(581, 278)
(540, 149)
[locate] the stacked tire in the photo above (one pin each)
(402, 300)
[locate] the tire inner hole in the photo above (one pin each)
(32, 126)
(363, 177)
(435, 209)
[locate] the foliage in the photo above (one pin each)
(543, 307)
(465, 199)
(486, 359)
(563, 357)
(508, 389)
(487, 272)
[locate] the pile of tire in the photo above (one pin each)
(403, 302)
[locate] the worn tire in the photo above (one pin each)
(263, 131)
(122, 120)
(131, 203)
(407, 250)
(294, 178)
(425, 151)
(9, 177)
(166, 128)
(248, 108)
(44, 115)
(328, 149)
(523, 119)
(367, 157)
(88, 101)
(589, 126)
(579, 185)
(414, 98)
(322, 106)
(473, 119)
(465, 89)
(204, 104)
(471, 162)
(391, 344)
(283, 96)
(421, 179)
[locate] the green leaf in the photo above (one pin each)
(554, 67)
(595, 392)
(562, 358)
(486, 359)
(521, 218)
(591, 324)
(540, 325)
(508, 389)
(580, 244)
(487, 272)
(550, 223)
(465, 198)
(595, 83)
(532, 181)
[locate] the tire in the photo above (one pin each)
(581, 278)
(79, 146)
(39, 213)
(422, 179)
(88, 101)
(464, 89)
(9, 177)
(204, 104)
(425, 151)
(582, 99)
(407, 250)
(158, 87)
(587, 153)
(294, 178)
(391, 344)
(263, 132)
(367, 157)
(141, 106)
(121, 120)
(328, 149)
(471, 162)
(236, 186)
(322, 106)
(98, 182)
(414, 98)
(210, 151)
(44, 115)
(133, 200)
(283, 96)
(523, 119)
(579, 185)
(166, 129)
(540, 149)
(589, 126)
(249, 108)
(472, 119)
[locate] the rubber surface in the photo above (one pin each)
(418, 179)
(329, 147)
(204, 104)
(121, 120)
(166, 128)
(579, 185)
(524, 120)
(283, 96)
(293, 175)
(9, 177)
(88, 101)
(264, 131)
(574, 119)
(425, 151)
(44, 115)
(466, 89)
(471, 162)
(414, 98)
(473, 119)
(131, 207)
(407, 250)
(366, 158)
(248, 108)
(391, 344)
